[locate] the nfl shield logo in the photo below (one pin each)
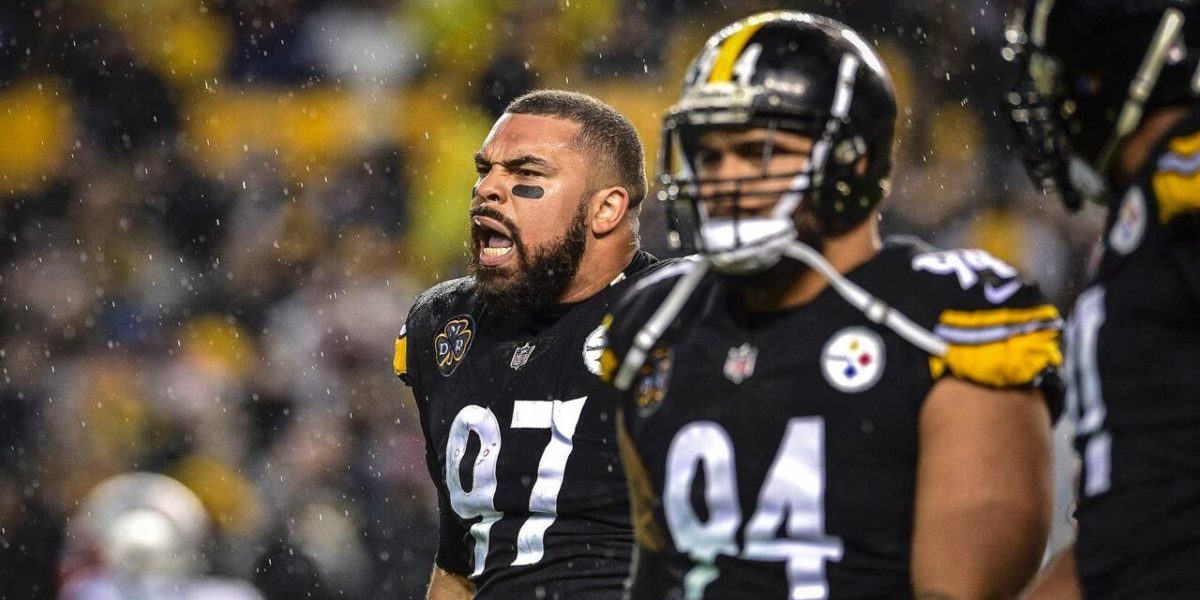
(521, 356)
(740, 364)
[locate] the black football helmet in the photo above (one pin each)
(1089, 71)
(781, 71)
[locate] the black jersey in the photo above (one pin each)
(1133, 350)
(774, 455)
(520, 443)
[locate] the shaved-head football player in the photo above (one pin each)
(807, 412)
(519, 432)
(1107, 112)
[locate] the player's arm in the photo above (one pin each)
(444, 585)
(1058, 581)
(984, 496)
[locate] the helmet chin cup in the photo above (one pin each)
(745, 246)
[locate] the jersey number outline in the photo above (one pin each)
(792, 496)
(559, 416)
(966, 265)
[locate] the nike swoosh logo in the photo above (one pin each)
(997, 295)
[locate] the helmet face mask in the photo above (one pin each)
(741, 223)
(779, 73)
(1087, 74)
(1039, 111)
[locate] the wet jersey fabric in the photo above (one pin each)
(520, 442)
(1133, 348)
(774, 455)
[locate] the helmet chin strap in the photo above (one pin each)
(875, 309)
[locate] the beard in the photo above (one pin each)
(541, 276)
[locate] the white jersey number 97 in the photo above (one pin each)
(559, 416)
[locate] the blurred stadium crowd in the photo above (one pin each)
(214, 215)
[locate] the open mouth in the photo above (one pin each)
(494, 240)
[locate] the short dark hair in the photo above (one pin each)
(604, 133)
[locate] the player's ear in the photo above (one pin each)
(608, 210)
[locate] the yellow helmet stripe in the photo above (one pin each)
(730, 51)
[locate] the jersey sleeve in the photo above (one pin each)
(1176, 185)
(400, 357)
(1000, 330)
(1176, 179)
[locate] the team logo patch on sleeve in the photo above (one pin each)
(852, 359)
(652, 386)
(451, 345)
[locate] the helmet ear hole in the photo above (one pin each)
(853, 186)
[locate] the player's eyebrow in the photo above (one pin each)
(525, 160)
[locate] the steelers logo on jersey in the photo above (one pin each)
(451, 345)
(1130, 223)
(593, 349)
(852, 359)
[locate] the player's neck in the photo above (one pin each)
(1135, 151)
(844, 253)
(598, 268)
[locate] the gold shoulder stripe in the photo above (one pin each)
(1176, 193)
(997, 316)
(730, 51)
(1177, 181)
(1185, 145)
(400, 358)
(1014, 362)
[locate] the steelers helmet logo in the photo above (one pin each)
(852, 359)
